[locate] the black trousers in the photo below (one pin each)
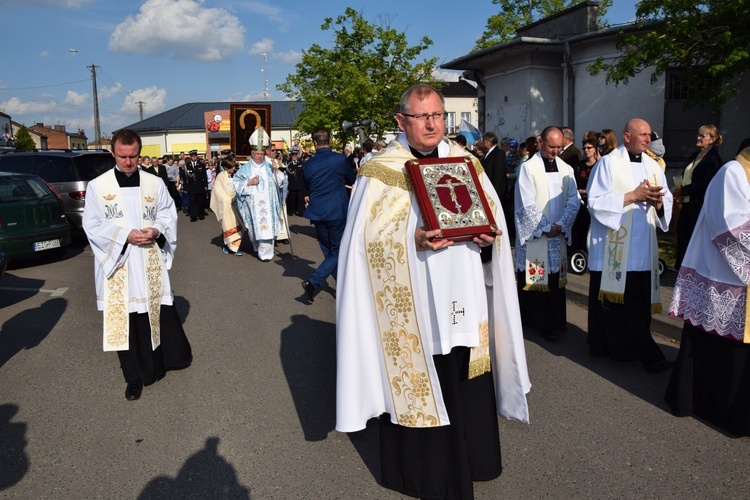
(143, 363)
(197, 204)
(442, 462)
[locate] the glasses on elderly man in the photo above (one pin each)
(424, 116)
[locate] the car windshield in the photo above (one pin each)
(13, 189)
(92, 166)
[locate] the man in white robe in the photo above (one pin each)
(429, 338)
(131, 223)
(260, 190)
(546, 204)
(628, 200)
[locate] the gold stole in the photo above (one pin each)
(537, 255)
(744, 159)
(614, 267)
(407, 365)
(116, 291)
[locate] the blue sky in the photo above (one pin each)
(169, 52)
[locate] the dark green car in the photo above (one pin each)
(32, 218)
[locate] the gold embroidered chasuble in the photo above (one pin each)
(116, 289)
(411, 391)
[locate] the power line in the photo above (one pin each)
(45, 86)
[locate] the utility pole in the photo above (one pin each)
(97, 127)
(140, 109)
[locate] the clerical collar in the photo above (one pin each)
(420, 154)
(127, 180)
(550, 165)
(634, 158)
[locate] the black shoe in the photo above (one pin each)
(133, 390)
(285, 242)
(658, 366)
(201, 218)
(309, 290)
(193, 219)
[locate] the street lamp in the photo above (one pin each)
(97, 128)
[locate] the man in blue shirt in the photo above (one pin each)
(325, 176)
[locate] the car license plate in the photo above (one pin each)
(46, 245)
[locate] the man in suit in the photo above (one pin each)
(494, 163)
(570, 153)
(324, 177)
(196, 184)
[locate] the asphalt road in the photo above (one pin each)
(254, 416)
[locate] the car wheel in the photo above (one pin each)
(579, 262)
(662, 267)
(53, 254)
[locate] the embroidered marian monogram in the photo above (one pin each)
(112, 211)
(149, 212)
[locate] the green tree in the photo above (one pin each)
(362, 76)
(709, 39)
(23, 140)
(515, 14)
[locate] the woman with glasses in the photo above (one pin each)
(589, 146)
(691, 189)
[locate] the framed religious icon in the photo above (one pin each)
(451, 197)
(246, 119)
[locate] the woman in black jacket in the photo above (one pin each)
(701, 168)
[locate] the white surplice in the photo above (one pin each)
(107, 241)
(607, 211)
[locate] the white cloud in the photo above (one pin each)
(446, 76)
(105, 92)
(154, 101)
(276, 15)
(14, 106)
(291, 57)
(251, 96)
(183, 28)
(75, 99)
(66, 4)
(265, 45)
(43, 54)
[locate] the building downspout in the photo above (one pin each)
(473, 75)
(571, 86)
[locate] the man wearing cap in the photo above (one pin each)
(295, 201)
(657, 151)
(195, 183)
(260, 188)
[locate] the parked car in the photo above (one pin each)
(32, 217)
(68, 172)
(3, 263)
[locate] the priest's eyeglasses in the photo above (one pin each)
(424, 116)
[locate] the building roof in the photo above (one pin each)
(461, 88)
(190, 116)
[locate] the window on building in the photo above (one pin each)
(466, 115)
(450, 123)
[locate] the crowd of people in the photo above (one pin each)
(430, 329)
